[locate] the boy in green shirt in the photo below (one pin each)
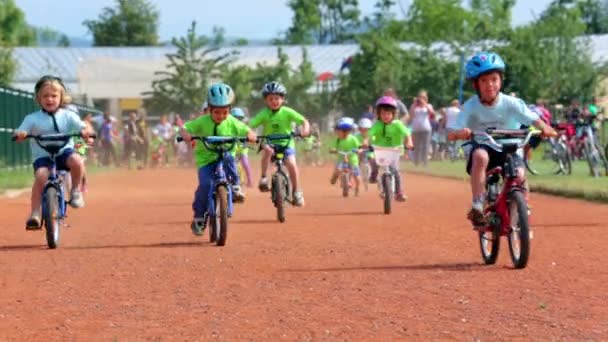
(389, 132)
(219, 123)
(279, 119)
(346, 142)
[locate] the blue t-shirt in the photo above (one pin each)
(42, 123)
(508, 113)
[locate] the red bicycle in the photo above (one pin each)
(506, 206)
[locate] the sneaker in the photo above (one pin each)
(77, 200)
(263, 185)
(400, 197)
(477, 218)
(198, 226)
(333, 179)
(237, 194)
(298, 198)
(33, 223)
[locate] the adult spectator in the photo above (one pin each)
(420, 119)
(369, 113)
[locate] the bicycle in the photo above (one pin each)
(281, 191)
(346, 172)
(506, 209)
(594, 153)
(366, 168)
(219, 205)
(554, 149)
(385, 158)
(54, 204)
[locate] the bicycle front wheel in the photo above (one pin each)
(519, 234)
(278, 196)
(52, 215)
(387, 191)
(221, 204)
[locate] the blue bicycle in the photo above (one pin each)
(219, 204)
(54, 205)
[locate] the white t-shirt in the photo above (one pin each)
(451, 116)
(421, 121)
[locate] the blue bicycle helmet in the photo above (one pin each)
(220, 95)
(345, 124)
(238, 113)
(483, 63)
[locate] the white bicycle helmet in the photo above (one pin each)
(365, 123)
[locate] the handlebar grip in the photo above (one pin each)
(179, 139)
(14, 138)
(93, 136)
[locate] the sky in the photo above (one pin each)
(251, 19)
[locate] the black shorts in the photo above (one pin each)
(496, 158)
(62, 161)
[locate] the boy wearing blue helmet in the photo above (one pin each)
(218, 123)
(346, 142)
(489, 108)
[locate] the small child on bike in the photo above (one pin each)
(388, 131)
(279, 119)
(346, 142)
(364, 125)
(490, 108)
(219, 122)
(242, 151)
(52, 118)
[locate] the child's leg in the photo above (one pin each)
(356, 174)
(374, 170)
(231, 170)
(41, 176)
(77, 170)
(294, 174)
(199, 206)
(398, 181)
(266, 156)
(479, 163)
(334, 175)
(246, 168)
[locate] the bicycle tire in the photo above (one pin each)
(521, 232)
(221, 203)
(52, 222)
(278, 196)
(388, 193)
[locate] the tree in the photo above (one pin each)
(8, 67)
(49, 37)
(592, 13)
(559, 67)
(183, 86)
(322, 21)
(130, 23)
(14, 31)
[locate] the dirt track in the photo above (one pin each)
(129, 268)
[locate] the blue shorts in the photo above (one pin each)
(354, 169)
(62, 161)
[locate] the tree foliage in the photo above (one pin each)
(182, 87)
(129, 23)
(323, 21)
(14, 30)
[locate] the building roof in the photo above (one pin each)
(119, 72)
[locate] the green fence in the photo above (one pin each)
(14, 106)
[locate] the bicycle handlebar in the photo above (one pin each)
(54, 137)
(491, 134)
(214, 143)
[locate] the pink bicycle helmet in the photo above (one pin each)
(386, 101)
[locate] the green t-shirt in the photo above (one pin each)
(205, 126)
(388, 135)
(279, 122)
(593, 109)
(347, 145)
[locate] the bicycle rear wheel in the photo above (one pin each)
(519, 234)
(344, 183)
(52, 217)
(593, 159)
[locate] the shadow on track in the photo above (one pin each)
(461, 267)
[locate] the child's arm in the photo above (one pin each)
(185, 134)
(409, 144)
(251, 136)
(305, 128)
(461, 134)
(24, 129)
(547, 130)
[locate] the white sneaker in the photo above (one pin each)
(298, 198)
(237, 194)
(77, 200)
(263, 186)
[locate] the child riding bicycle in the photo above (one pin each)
(50, 119)
(279, 119)
(220, 97)
(346, 142)
(490, 108)
(387, 131)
